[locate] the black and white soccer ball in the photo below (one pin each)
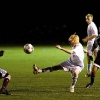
(28, 48)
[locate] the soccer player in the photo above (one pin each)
(74, 64)
(96, 65)
(4, 74)
(92, 32)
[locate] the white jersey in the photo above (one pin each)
(75, 60)
(92, 30)
(78, 49)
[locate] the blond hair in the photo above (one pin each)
(74, 39)
(89, 15)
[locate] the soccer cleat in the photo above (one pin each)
(87, 75)
(35, 69)
(89, 85)
(71, 89)
(4, 92)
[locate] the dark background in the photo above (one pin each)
(45, 22)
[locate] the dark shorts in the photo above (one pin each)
(97, 60)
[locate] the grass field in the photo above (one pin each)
(24, 85)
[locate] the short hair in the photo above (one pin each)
(74, 38)
(89, 15)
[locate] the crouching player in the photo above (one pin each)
(96, 65)
(74, 64)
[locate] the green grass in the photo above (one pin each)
(24, 85)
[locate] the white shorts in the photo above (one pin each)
(72, 68)
(89, 46)
(3, 72)
(96, 65)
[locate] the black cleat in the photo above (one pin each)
(35, 69)
(89, 85)
(87, 75)
(4, 92)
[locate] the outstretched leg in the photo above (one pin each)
(36, 70)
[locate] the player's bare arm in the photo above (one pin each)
(88, 38)
(93, 36)
(85, 39)
(63, 49)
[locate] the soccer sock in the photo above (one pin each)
(92, 78)
(53, 68)
(5, 83)
(89, 66)
(74, 80)
(48, 69)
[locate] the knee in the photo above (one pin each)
(9, 77)
(76, 72)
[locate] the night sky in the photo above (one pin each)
(45, 22)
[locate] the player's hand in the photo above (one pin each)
(58, 46)
(85, 40)
(85, 51)
(1, 53)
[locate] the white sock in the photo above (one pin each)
(40, 71)
(89, 66)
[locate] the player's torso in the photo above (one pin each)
(92, 30)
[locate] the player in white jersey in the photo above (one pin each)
(92, 33)
(74, 64)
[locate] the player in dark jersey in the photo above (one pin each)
(96, 65)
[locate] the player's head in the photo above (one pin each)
(73, 39)
(89, 18)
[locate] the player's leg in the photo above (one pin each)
(89, 66)
(75, 72)
(62, 66)
(93, 73)
(96, 66)
(6, 77)
(95, 53)
(5, 82)
(36, 70)
(89, 62)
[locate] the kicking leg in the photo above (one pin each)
(36, 70)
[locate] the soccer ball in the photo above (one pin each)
(28, 48)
